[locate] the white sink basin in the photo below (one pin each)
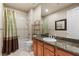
(48, 39)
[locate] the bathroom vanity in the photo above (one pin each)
(44, 48)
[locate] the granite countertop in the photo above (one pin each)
(66, 45)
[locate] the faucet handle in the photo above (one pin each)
(54, 36)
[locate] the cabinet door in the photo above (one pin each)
(60, 52)
(48, 52)
(40, 48)
(35, 47)
(49, 47)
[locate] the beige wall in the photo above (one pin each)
(37, 13)
(33, 15)
(51, 23)
(58, 16)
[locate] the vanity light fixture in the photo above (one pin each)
(46, 10)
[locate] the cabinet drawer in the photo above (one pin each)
(60, 52)
(40, 43)
(49, 47)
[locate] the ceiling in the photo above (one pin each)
(21, 6)
(52, 7)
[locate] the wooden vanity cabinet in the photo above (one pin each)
(60, 52)
(40, 48)
(35, 46)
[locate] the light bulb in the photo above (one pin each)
(46, 10)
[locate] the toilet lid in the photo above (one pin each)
(30, 41)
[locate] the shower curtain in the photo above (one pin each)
(10, 39)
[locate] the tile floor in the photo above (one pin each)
(22, 52)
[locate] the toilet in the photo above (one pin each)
(29, 45)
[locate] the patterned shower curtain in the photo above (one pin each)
(10, 39)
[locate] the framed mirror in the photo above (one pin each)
(61, 24)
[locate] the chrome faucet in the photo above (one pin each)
(50, 36)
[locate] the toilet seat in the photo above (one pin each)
(29, 42)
